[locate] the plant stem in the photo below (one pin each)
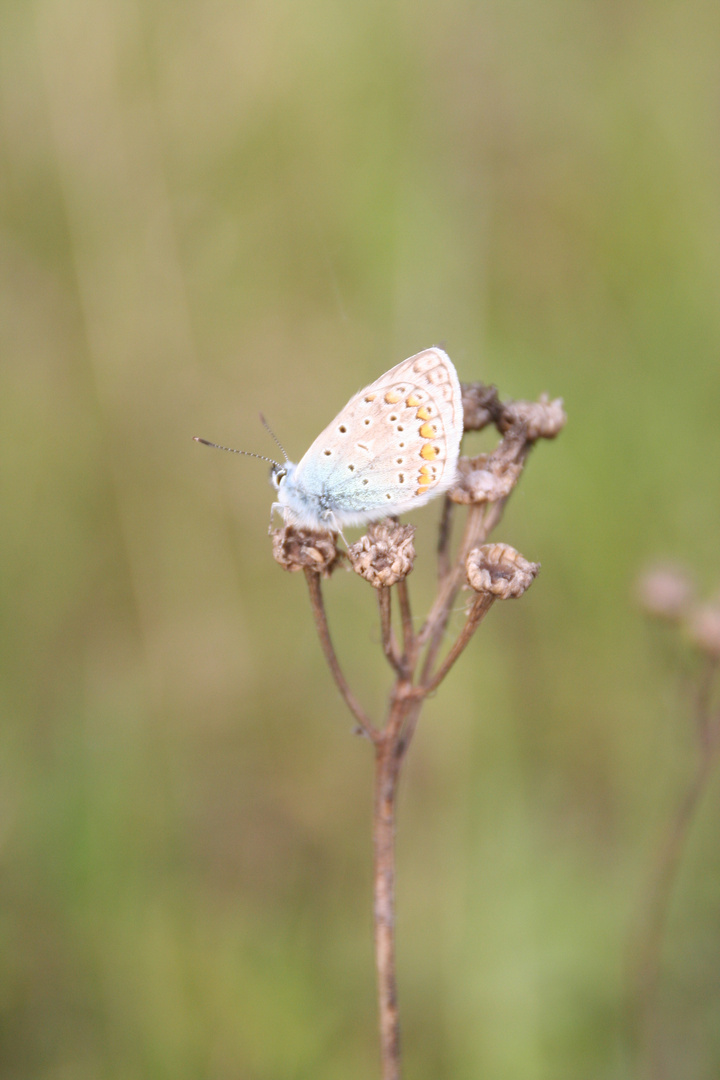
(443, 548)
(480, 607)
(387, 768)
(388, 638)
(321, 624)
(407, 623)
(648, 949)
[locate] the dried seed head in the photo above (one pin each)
(542, 419)
(481, 480)
(490, 477)
(500, 570)
(481, 405)
(385, 555)
(703, 626)
(665, 592)
(302, 549)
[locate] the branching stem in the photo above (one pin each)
(480, 607)
(416, 676)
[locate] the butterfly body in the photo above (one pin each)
(392, 448)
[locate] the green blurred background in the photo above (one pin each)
(209, 209)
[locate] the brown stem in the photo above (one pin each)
(388, 760)
(407, 623)
(386, 777)
(321, 624)
(481, 520)
(481, 605)
(646, 961)
(436, 621)
(388, 638)
(443, 555)
(493, 517)
(411, 718)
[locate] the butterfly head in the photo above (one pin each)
(279, 474)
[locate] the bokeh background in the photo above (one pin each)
(211, 209)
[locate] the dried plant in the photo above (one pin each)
(667, 594)
(384, 557)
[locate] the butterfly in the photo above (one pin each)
(392, 448)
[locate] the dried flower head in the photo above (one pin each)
(385, 555)
(481, 405)
(301, 549)
(484, 479)
(500, 570)
(665, 592)
(542, 419)
(490, 477)
(703, 626)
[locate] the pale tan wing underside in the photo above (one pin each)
(395, 443)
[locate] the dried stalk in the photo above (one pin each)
(321, 625)
(407, 624)
(667, 595)
(388, 637)
(385, 557)
(654, 917)
(387, 773)
(480, 607)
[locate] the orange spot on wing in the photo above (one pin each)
(428, 431)
(423, 413)
(429, 452)
(392, 397)
(412, 401)
(421, 490)
(424, 477)
(370, 397)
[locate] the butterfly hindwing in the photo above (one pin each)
(395, 444)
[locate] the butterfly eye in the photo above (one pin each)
(277, 475)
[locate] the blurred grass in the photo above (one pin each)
(212, 209)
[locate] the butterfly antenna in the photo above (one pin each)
(267, 427)
(230, 450)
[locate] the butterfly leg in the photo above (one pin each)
(331, 521)
(276, 506)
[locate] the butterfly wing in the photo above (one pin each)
(393, 447)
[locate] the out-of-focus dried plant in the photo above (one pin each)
(666, 593)
(385, 557)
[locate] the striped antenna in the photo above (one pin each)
(247, 453)
(267, 427)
